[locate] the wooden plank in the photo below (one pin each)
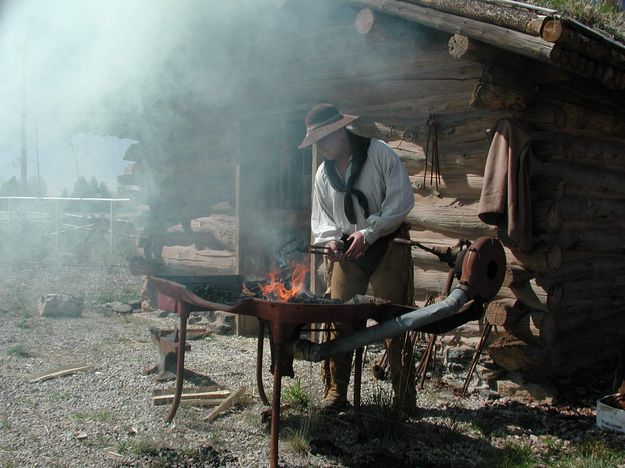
(218, 398)
(191, 395)
(59, 372)
(226, 404)
(172, 390)
(202, 402)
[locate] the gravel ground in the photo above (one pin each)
(105, 417)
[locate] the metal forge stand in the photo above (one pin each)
(483, 270)
(283, 320)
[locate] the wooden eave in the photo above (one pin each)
(533, 32)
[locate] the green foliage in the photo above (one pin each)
(24, 324)
(61, 395)
(136, 446)
(387, 418)
(9, 188)
(5, 424)
(19, 351)
(299, 431)
(114, 295)
(35, 187)
(20, 302)
(516, 455)
(296, 395)
(89, 189)
(593, 453)
(602, 14)
(298, 439)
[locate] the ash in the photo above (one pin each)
(306, 298)
(216, 294)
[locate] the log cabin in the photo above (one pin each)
(226, 186)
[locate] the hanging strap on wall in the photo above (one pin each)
(431, 153)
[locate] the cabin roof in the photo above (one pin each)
(527, 30)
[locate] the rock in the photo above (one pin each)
(148, 291)
(121, 307)
(459, 354)
(196, 319)
(489, 375)
(520, 390)
(60, 305)
(513, 353)
(458, 358)
(146, 306)
(514, 430)
(488, 394)
(224, 323)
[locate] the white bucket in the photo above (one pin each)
(609, 417)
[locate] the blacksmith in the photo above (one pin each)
(362, 196)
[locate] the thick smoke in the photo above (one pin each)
(82, 67)
(182, 78)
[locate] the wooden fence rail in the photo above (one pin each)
(58, 217)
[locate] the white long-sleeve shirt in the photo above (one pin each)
(384, 181)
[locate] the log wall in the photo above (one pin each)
(577, 188)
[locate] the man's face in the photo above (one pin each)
(334, 145)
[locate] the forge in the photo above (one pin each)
(480, 278)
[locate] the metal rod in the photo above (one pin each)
(427, 357)
(82, 219)
(476, 357)
(259, 363)
(56, 223)
(449, 281)
(357, 387)
(357, 377)
(314, 352)
(182, 339)
(425, 362)
(8, 216)
(275, 406)
(112, 223)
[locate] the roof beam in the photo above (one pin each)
(504, 38)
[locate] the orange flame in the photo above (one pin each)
(279, 289)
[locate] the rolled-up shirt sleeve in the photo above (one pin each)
(398, 201)
(323, 225)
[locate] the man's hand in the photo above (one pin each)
(357, 245)
(335, 252)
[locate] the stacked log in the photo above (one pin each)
(578, 209)
(206, 246)
(587, 325)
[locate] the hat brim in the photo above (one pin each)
(318, 133)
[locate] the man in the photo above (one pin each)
(362, 196)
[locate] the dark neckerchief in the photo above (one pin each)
(360, 147)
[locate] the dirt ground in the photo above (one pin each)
(104, 416)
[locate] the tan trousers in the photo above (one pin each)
(392, 280)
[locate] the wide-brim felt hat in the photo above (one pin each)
(322, 120)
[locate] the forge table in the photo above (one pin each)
(284, 320)
(481, 276)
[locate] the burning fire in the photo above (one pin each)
(280, 289)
